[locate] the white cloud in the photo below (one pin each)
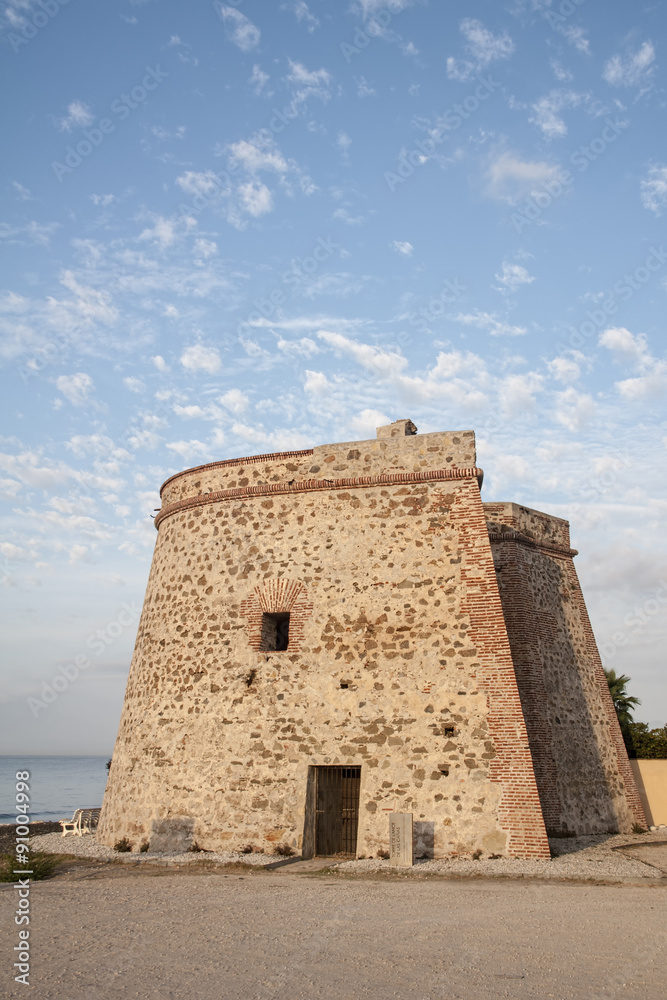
(160, 363)
(89, 303)
(257, 154)
(372, 358)
(240, 29)
(32, 470)
(258, 80)
(203, 183)
(510, 178)
(367, 8)
(512, 277)
(565, 369)
(517, 393)
(632, 70)
(343, 141)
(627, 347)
(260, 153)
(23, 193)
(102, 199)
(163, 232)
(200, 358)
(14, 552)
(235, 401)
(365, 424)
(402, 247)
(163, 134)
(203, 249)
(303, 14)
(574, 410)
(308, 83)
(190, 451)
(651, 385)
(192, 412)
(78, 115)
(97, 445)
(304, 347)
(37, 233)
(256, 198)
(546, 112)
(632, 349)
(490, 322)
(134, 384)
(338, 283)
(576, 36)
(9, 489)
(483, 47)
(561, 72)
(364, 88)
(316, 383)
(346, 216)
(654, 189)
(454, 363)
(76, 388)
(144, 439)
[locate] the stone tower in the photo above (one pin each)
(335, 634)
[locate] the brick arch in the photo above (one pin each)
(277, 596)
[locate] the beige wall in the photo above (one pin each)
(651, 778)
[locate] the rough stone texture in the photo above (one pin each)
(398, 659)
(172, 834)
(583, 775)
(357, 458)
(399, 428)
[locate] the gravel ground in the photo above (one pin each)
(271, 936)
(86, 846)
(579, 858)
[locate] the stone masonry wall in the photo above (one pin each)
(398, 658)
(356, 458)
(581, 766)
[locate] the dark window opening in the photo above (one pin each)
(275, 632)
(344, 684)
(449, 730)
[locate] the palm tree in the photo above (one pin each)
(624, 704)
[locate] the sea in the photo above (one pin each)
(58, 785)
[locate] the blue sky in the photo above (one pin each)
(236, 228)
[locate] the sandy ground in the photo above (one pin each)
(109, 931)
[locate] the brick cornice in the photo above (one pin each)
(517, 536)
(278, 456)
(316, 485)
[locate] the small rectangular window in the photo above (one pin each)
(275, 632)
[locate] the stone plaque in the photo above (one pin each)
(400, 839)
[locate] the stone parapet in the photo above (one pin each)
(350, 459)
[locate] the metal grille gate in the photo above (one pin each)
(337, 811)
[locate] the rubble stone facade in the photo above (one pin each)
(434, 647)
